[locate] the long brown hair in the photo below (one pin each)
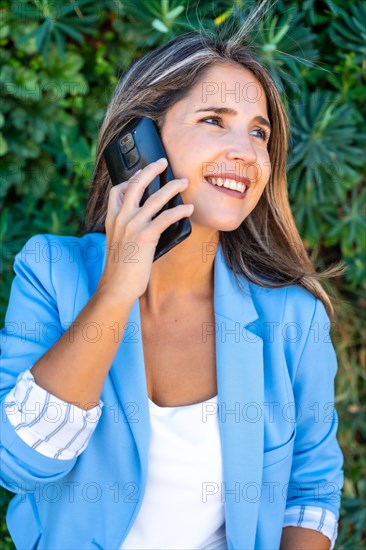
(266, 248)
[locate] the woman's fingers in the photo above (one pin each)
(117, 196)
(159, 199)
(170, 216)
(129, 194)
(137, 185)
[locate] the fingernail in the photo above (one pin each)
(138, 171)
(162, 160)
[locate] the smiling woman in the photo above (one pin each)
(193, 66)
(232, 153)
(213, 365)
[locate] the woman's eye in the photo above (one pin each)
(213, 118)
(264, 135)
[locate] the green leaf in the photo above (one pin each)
(173, 14)
(42, 33)
(22, 39)
(20, 82)
(349, 32)
(70, 31)
(159, 26)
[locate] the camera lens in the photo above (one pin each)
(127, 143)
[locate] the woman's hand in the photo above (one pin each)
(132, 235)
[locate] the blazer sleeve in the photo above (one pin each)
(316, 475)
(54, 427)
(32, 326)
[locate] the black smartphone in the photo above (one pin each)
(135, 147)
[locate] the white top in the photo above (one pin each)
(182, 506)
(61, 430)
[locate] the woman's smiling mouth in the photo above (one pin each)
(229, 186)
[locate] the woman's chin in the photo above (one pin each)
(215, 222)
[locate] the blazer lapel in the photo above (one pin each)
(239, 363)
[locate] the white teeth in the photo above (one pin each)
(228, 183)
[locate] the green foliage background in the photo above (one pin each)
(60, 63)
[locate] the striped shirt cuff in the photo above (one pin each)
(53, 427)
(313, 517)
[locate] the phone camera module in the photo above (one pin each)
(127, 143)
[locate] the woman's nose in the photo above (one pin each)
(241, 148)
(242, 154)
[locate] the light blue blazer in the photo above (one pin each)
(275, 372)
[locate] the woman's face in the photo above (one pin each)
(219, 130)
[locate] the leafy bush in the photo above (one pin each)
(60, 64)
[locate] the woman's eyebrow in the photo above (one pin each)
(229, 111)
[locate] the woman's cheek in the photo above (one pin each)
(264, 166)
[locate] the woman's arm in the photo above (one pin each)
(314, 518)
(63, 433)
(316, 474)
(31, 323)
(74, 369)
(316, 478)
(300, 538)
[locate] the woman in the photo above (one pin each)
(187, 402)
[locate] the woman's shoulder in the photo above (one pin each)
(288, 302)
(287, 305)
(296, 318)
(55, 262)
(61, 270)
(47, 248)
(52, 240)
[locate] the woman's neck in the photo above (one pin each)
(183, 273)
